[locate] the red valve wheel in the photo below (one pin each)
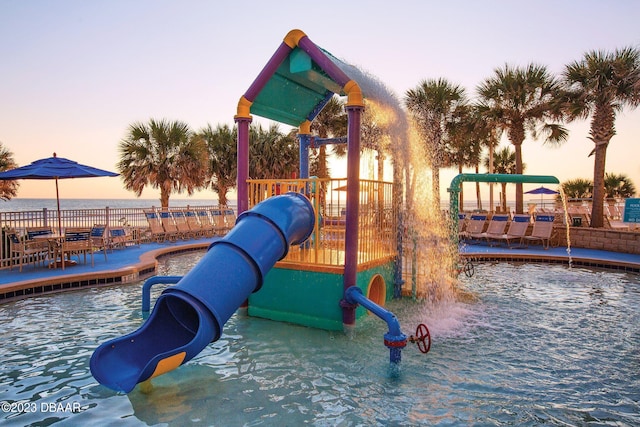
(468, 269)
(423, 338)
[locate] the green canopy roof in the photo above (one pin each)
(296, 92)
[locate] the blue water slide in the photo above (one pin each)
(191, 314)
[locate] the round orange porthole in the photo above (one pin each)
(377, 291)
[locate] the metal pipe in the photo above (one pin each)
(155, 280)
(395, 340)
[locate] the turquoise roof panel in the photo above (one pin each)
(295, 91)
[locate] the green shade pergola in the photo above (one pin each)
(456, 184)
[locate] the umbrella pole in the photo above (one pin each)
(58, 201)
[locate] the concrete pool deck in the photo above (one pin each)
(123, 265)
(560, 255)
(139, 262)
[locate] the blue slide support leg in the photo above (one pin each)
(191, 314)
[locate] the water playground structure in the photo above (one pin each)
(315, 252)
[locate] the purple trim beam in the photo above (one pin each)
(323, 61)
(268, 71)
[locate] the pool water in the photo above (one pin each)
(539, 345)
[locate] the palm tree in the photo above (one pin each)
(504, 161)
(600, 85)
(164, 155)
(618, 186)
(8, 189)
(223, 167)
(578, 188)
(487, 131)
(376, 121)
(523, 100)
(464, 147)
(433, 104)
(331, 122)
(272, 154)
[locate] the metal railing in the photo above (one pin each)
(376, 226)
(132, 219)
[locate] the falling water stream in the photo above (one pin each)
(428, 254)
(563, 197)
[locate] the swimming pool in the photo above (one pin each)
(541, 345)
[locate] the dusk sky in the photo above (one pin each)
(75, 74)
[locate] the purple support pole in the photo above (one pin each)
(353, 201)
(243, 163)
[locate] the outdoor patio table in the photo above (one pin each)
(54, 241)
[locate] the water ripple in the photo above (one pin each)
(541, 345)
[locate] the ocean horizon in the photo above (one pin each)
(28, 204)
(36, 204)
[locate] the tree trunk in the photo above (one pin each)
(597, 205)
(491, 207)
(435, 173)
(164, 198)
(380, 159)
(519, 193)
(516, 136)
(478, 197)
(323, 171)
(221, 190)
(602, 130)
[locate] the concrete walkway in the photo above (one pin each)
(578, 256)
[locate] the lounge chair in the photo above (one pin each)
(542, 231)
(219, 226)
(229, 219)
(205, 222)
(155, 226)
(119, 238)
(25, 249)
(475, 225)
(168, 224)
(462, 223)
(496, 227)
(580, 216)
(184, 231)
(194, 224)
(100, 239)
(516, 231)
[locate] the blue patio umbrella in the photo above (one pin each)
(542, 191)
(54, 168)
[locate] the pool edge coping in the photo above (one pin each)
(146, 266)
